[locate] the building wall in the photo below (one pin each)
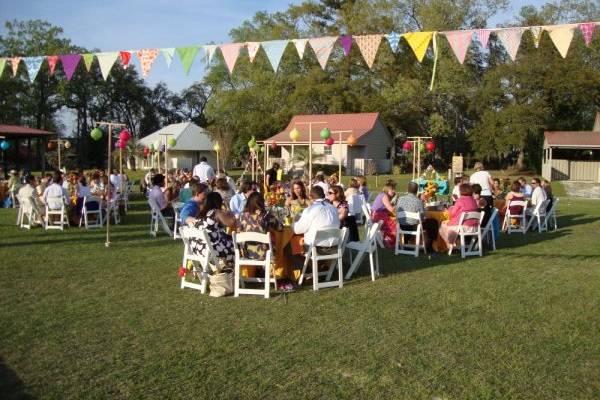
(377, 142)
(567, 170)
(178, 159)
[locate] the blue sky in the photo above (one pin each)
(112, 25)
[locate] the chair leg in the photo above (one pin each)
(315, 274)
(236, 286)
(340, 271)
(372, 264)
(267, 280)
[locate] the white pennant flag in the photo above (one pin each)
(511, 39)
(322, 47)
(561, 37)
(253, 48)
(300, 46)
(209, 52)
(168, 53)
(536, 32)
(106, 62)
(274, 50)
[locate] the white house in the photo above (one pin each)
(193, 142)
(373, 140)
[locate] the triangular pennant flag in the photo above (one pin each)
(125, 58)
(418, 42)
(146, 57)
(322, 47)
(69, 63)
(231, 51)
(484, 37)
(274, 50)
(52, 60)
(209, 53)
(168, 53)
(368, 45)
(587, 30)
(252, 50)
(300, 46)
(187, 55)
(459, 41)
(106, 62)
(346, 42)
(561, 37)
(88, 59)
(33, 65)
(2, 65)
(511, 40)
(536, 32)
(394, 40)
(14, 62)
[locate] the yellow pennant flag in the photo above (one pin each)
(418, 42)
(561, 37)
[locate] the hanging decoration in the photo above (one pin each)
(69, 63)
(2, 65)
(161, 148)
(106, 62)
(300, 45)
(168, 54)
(430, 146)
(421, 148)
(536, 32)
(562, 37)
(52, 61)
(51, 146)
(230, 53)
(15, 61)
(322, 47)
(4, 145)
(33, 65)
(419, 42)
(346, 42)
(325, 133)
(67, 144)
(252, 143)
(511, 40)
(146, 57)
(217, 147)
(329, 142)
(294, 135)
(394, 40)
(209, 53)
(125, 135)
(484, 36)
(407, 146)
(368, 45)
(125, 58)
(172, 142)
(88, 59)
(253, 48)
(587, 30)
(96, 134)
(187, 55)
(459, 42)
(351, 140)
(274, 145)
(274, 50)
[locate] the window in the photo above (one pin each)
(327, 150)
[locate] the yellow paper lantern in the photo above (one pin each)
(216, 147)
(295, 134)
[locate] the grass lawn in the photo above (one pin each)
(82, 321)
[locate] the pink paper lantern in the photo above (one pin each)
(407, 146)
(329, 141)
(125, 135)
(430, 146)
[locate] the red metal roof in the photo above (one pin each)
(18, 130)
(574, 139)
(360, 124)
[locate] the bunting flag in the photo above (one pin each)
(418, 42)
(125, 58)
(511, 40)
(209, 53)
(52, 60)
(88, 59)
(69, 63)
(484, 36)
(561, 37)
(322, 47)
(14, 62)
(300, 46)
(2, 65)
(252, 50)
(274, 50)
(33, 65)
(187, 55)
(536, 32)
(168, 54)
(346, 42)
(587, 30)
(394, 40)
(106, 62)
(147, 57)
(230, 52)
(459, 42)
(368, 45)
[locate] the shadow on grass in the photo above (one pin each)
(569, 220)
(11, 386)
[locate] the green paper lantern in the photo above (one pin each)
(421, 148)
(252, 143)
(172, 142)
(325, 133)
(96, 134)
(151, 146)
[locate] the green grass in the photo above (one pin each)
(83, 321)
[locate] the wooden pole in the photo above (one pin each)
(310, 154)
(58, 143)
(414, 161)
(218, 168)
(166, 165)
(340, 161)
(108, 205)
(266, 150)
(419, 158)
(120, 169)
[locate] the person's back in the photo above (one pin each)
(318, 216)
(204, 172)
(55, 190)
(410, 203)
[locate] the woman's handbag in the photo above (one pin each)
(221, 283)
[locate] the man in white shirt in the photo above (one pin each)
(204, 172)
(539, 194)
(238, 202)
(320, 182)
(55, 190)
(320, 215)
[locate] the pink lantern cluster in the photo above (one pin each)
(124, 137)
(429, 146)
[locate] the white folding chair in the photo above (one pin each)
(537, 217)
(521, 226)
(402, 244)
(14, 199)
(112, 208)
(464, 232)
(552, 213)
(487, 232)
(56, 206)
(335, 238)
(240, 240)
(156, 219)
(125, 195)
(86, 212)
(176, 234)
(201, 263)
(355, 206)
(27, 210)
(19, 211)
(368, 245)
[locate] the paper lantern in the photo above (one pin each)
(125, 135)
(172, 142)
(51, 146)
(252, 143)
(67, 144)
(325, 133)
(261, 149)
(351, 140)
(430, 146)
(217, 147)
(4, 145)
(421, 148)
(151, 147)
(295, 134)
(96, 134)
(146, 151)
(274, 146)
(329, 141)
(407, 146)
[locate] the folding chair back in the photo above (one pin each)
(402, 245)
(28, 211)
(157, 219)
(551, 215)
(201, 263)
(538, 216)
(19, 211)
(56, 206)
(367, 245)
(336, 238)
(487, 232)
(240, 241)
(88, 210)
(112, 208)
(466, 231)
(521, 218)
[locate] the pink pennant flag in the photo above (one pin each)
(459, 41)
(322, 47)
(484, 37)
(346, 42)
(69, 63)
(52, 60)
(147, 57)
(511, 39)
(253, 48)
(14, 62)
(368, 45)
(125, 58)
(230, 54)
(587, 30)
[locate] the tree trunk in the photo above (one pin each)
(520, 165)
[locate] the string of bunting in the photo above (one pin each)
(419, 42)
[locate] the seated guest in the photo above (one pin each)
(29, 191)
(539, 194)
(455, 189)
(514, 195)
(482, 203)
(410, 203)
(256, 218)
(465, 203)
(238, 202)
(192, 206)
(338, 199)
(383, 210)
(83, 191)
(363, 187)
(548, 189)
(230, 181)
(318, 216)
(55, 190)
(320, 181)
(159, 197)
(298, 200)
(353, 189)
(497, 191)
(526, 189)
(214, 220)
(226, 192)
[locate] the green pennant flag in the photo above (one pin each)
(88, 59)
(2, 65)
(187, 55)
